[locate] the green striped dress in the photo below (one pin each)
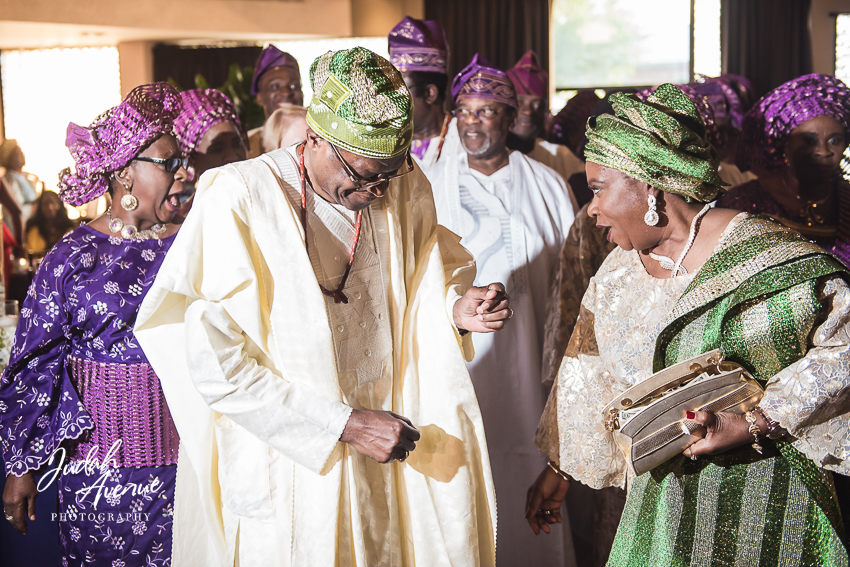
(776, 304)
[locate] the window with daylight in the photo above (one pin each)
(44, 89)
(622, 43)
(842, 47)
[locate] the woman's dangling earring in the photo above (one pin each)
(128, 201)
(651, 216)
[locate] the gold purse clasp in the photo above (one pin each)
(612, 420)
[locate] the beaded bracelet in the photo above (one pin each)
(754, 429)
(559, 472)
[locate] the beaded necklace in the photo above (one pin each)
(337, 294)
(443, 132)
(129, 231)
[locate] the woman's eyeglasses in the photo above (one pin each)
(364, 183)
(171, 164)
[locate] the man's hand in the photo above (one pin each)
(381, 435)
(543, 501)
(483, 309)
(19, 500)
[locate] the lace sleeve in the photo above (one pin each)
(811, 397)
(571, 431)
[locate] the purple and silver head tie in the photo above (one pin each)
(114, 138)
(712, 132)
(418, 45)
(202, 109)
(737, 94)
(480, 79)
(768, 124)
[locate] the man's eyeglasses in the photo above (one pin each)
(171, 164)
(364, 183)
(482, 113)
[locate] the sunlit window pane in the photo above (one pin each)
(707, 58)
(306, 51)
(602, 43)
(44, 89)
(842, 47)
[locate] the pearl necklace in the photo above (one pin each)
(677, 267)
(130, 232)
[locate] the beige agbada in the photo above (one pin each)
(238, 332)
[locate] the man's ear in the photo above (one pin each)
(512, 116)
(312, 140)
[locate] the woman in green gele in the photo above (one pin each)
(686, 279)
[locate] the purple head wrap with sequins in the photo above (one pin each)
(418, 45)
(712, 132)
(480, 79)
(270, 58)
(202, 109)
(114, 138)
(528, 76)
(768, 124)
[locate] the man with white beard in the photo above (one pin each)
(512, 213)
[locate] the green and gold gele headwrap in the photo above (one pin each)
(660, 142)
(360, 103)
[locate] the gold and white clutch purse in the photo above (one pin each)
(648, 420)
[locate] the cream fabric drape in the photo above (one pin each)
(237, 330)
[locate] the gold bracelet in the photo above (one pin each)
(559, 472)
(754, 429)
(774, 430)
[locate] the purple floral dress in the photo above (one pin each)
(78, 388)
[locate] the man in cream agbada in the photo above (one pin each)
(309, 327)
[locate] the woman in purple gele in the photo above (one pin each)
(78, 392)
(793, 139)
(210, 135)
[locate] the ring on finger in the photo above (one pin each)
(404, 457)
(547, 512)
(692, 456)
(9, 518)
(511, 313)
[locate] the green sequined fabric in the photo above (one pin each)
(360, 103)
(660, 142)
(756, 298)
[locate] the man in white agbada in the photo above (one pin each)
(288, 367)
(418, 49)
(513, 215)
(532, 88)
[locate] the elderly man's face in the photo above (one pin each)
(531, 116)
(280, 86)
(331, 181)
(483, 126)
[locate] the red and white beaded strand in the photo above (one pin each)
(337, 294)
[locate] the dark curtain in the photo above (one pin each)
(766, 41)
(183, 63)
(500, 30)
